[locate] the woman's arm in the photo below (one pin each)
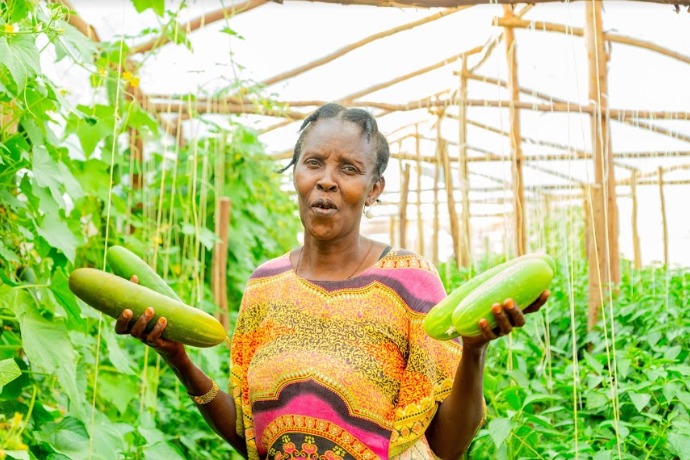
(219, 412)
(460, 415)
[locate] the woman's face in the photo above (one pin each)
(334, 178)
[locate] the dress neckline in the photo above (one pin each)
(382, 256)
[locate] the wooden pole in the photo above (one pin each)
(637, 255)
(515, 140)
(664, 224)
(604, 269)
(136, 153)
(452, 213)
(391, 231)
(463, 173)
(220, 261)
(420, 221)
(404, 191)
(437, 224)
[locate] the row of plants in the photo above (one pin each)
(555, 390)
(70, 388)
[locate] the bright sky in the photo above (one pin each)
(279, 37)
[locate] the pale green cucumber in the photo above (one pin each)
(112, 294)
(438, 323)
(523, 282)
(124, 263)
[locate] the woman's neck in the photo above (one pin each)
(334, 261)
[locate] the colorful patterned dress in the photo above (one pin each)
(338, 370)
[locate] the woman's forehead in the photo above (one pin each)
(335, 130)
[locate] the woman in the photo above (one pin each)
(329, 356)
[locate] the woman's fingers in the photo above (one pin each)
(486, 330)
(153, 338)
(537, 304)
(502, 319)
(122, 323)
(140, 324)
(513, 313)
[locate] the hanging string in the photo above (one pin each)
(116, 117)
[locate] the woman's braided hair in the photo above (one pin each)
(361, 118)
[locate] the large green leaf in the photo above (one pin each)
(20, 56)
(47, 345)
(46, 173)
(59, 286)
(68, 437)
(58, 234)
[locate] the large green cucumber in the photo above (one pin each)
(124, 263)
(523, 282)
(112, 294)
(438, 323)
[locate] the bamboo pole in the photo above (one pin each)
(420, 221)
(604, 271)
(444, 3)
(198, 23)
(404, 192)
(515, 139)
(547, 97)
(637, 256)
(391, 231)
(664, 223)
(463, 171)
(437, 223)
(220, 261)
(582, 32)
(450, 200)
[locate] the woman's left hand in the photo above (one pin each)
(508, 316)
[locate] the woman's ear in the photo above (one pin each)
(376, 191)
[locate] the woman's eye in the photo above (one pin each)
(349, 169)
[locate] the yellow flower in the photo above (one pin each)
(101, 71)
(133, 80)
(10, 28)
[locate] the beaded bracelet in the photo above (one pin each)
(208, 396)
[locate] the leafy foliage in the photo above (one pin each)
(70, 186)
(555, 391)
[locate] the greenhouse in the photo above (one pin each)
(180, 144)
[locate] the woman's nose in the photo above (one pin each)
(326, 182)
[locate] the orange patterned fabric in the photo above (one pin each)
(339, 370)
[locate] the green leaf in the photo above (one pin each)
(639, 400)
(59, 286)
(68, 437)
(47, 173)
(593, 363)
(8, 371)
(158, 6)
(117, 390)
(499, 429)
(46, 344)
(596, 400)
(20, 56)
(72, 42)
(680, 444)
(58, 234)
(92, 125)
(117, 356)
(162, 451)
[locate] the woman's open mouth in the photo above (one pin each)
(324, 207)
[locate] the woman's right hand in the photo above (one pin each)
(169, 350)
